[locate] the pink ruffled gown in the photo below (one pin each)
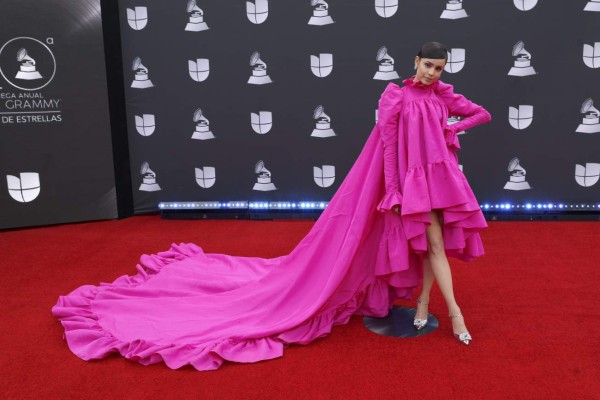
(187, 307)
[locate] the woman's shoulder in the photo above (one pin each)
(392, 93)
(444, 89)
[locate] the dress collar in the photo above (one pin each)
(410, 82)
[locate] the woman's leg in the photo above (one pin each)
(441, 270)
(428, 279)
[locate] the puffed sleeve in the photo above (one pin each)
(390, 104)
(458, 105)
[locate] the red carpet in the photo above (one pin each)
(532, 304)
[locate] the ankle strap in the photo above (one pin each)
(455, 315)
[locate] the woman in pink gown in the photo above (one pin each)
(401, 209)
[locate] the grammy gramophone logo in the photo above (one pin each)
(202, 131)
(145, 124)
(257, 11)
(206, 177)
(263, 180)
(27, 63)
(386, 70)
(148, 179)
(25, 187)
(453, 120)
(199, 69)
(137, 18)
(261, 122)
(592, 5)
(27, 68)
(386, 8)
(323, 123)
(520, 117)
(321, 65)
(320, 15)
(591, 118)
(196, 18)
(517, 179)
(324, 175)
(591, 55)
(525, 5)
(454, 10)
(522, 63)
(141, 78)
(587, 175)
(456, 60)
(259, 70)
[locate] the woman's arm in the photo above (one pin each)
(459, 106)
(387, 121)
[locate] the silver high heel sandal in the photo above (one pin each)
(464, 337)
(420, 323)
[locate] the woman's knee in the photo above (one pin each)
(435, 247)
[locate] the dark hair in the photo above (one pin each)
(434, 50)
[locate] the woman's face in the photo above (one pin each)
(429, 70)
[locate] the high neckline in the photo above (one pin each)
(410, 82)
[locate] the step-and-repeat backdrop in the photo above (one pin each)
(260, 100)
(271, 100)
(55, 146)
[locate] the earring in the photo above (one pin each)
(415, 67)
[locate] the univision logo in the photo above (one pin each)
(262, 122)
(27, 63)
(386, 8)
(145, 124)
(25, 187)
(321, 65)
(456, 60)
(206, 177)
(199, 69)
(137, 18)
(324, 176)
(520, 117)
(257, 11)
(587, 175)
(525, 5)
(591, 55)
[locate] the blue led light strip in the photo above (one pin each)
(243, 205)
(321, 205)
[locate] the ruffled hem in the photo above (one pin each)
(436, 186)
(89, 340)
(390, 200)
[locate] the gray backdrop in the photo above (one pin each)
(549, 149)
